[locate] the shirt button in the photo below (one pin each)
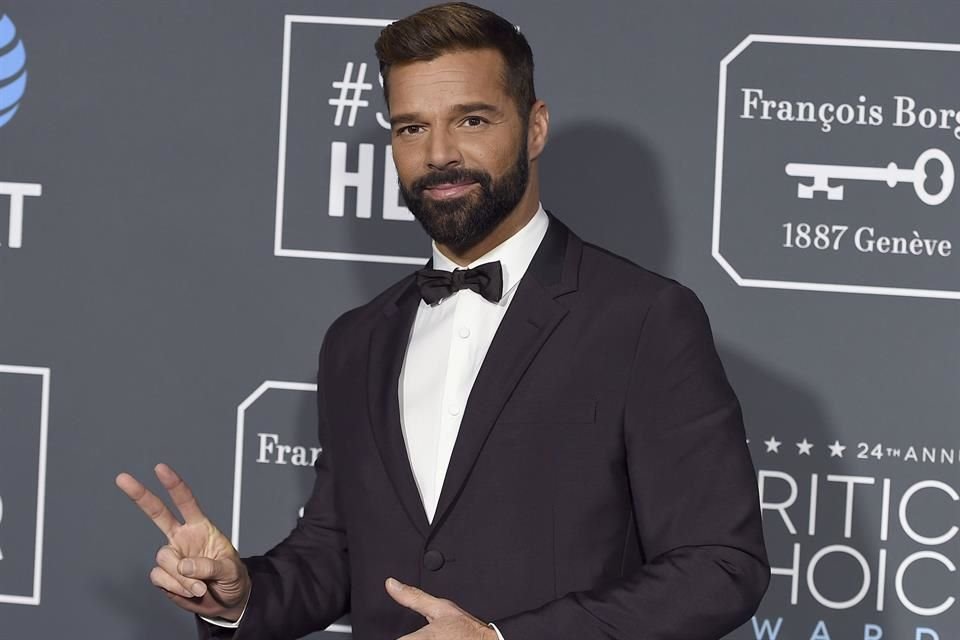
(464, 332)
(454, 410)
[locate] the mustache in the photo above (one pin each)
(450, 176)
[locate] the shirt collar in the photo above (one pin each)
(515, 253)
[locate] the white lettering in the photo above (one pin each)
(811, 572)
(17, 192)
(267, 442)
(926, 117)
(299, 457)
(812, 516)
(751, 98)
(756, 105)
(793, 571)
(881, 579)
(848, 514)
(820, 632)
(271, 451)
(885, 511)
(780, 507)
(845, 113)
(391, 190)
(905, 115)
(340, 179)
(765, 630)
(905, 501)
(866, 240)
(923, 611)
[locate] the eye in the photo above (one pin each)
(474, 121)
(410, 130)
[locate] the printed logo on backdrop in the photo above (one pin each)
(13, 84)
(13, 70)
(836, 166)
(24, 407)
(337, 193)
(864, 547)
(276, 447)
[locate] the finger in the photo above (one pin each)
(423, 633)
(208, 569)
(148, 503)
(194, 605)
(180, 493)
(191, 604)
(168, 559)
(160, 578)
(420, 601)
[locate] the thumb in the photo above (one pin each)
(415, 599)
(206, 569)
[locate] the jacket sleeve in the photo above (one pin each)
(303, 583)
(694, 499)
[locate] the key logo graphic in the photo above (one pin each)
(337, 191)
(835, 167)
(891, 174)
(13, 72)
(24, 408)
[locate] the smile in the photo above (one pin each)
(448, 190)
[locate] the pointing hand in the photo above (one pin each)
(445, 620)
(198, 568)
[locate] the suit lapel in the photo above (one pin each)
(531, 318)
(388, 344)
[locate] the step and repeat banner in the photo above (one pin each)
(192, 191)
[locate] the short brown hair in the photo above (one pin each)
(459, 26)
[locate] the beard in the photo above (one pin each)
(462, 223)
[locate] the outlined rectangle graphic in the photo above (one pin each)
(276, 446)
(24, 416)
(337, 191)
(835, 166)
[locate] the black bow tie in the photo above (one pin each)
(485, 279)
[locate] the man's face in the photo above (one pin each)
(459, 144)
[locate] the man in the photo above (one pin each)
(531, 432)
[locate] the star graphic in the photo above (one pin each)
(773, 445)
(804, 447)
(836, 449)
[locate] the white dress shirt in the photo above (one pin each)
(447, 345)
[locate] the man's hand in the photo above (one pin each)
(445, 620)
(198, 568)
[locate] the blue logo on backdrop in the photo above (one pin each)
(13, 71)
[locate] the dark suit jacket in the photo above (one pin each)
(600, 486)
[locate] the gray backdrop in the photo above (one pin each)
(169, 263)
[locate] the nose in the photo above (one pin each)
(442, 151)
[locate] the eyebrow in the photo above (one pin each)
(457, 110)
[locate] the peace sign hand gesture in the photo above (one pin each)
(198, 568)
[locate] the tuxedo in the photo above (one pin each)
(599, 486)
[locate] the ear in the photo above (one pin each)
(537, 129)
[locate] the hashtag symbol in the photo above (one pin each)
(354, 101)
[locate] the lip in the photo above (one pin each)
(446, 191)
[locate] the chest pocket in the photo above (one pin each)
(547, 410)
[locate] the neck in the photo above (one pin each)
(516, 220)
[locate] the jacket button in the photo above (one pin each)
(433, 560)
